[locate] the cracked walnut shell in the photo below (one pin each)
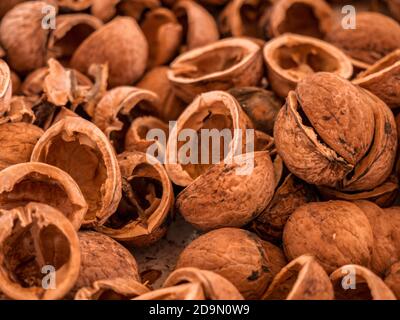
(33, 237)
(237, 255)
(80, 148)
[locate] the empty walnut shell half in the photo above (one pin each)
(198, 25)
(5, 88)
(349, 141)
(302, 279)
(36, 240)
(122, 44)
(119, 107)
(102, 258)
(136, 138)
(237, 255)
(354, 282)
(359, 44)
(75, 5)
(261, 106)
(80, 148)
(147, 199)
(392, 279)
(214, 286)
(382, 79)
(290, 58)
(23, 37)
(163, 34)
(214, 110)
(243, 18)
(290, 195)
(217, 198)
(228, 63)
(112, 289)
(107, 9)
(307, 17)
(17, 141)
(385, 224)
(156, 80)
(39, 182)
(335, 232)
(71, 30)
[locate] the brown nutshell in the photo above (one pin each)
(392, 279)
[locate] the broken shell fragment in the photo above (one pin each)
(80, 148)
(36, 240)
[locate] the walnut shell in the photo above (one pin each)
(102, 258)
(290, 58)
(136, 137)
(112, 289)
(385, 224)
(336, 136)
(7, 5)
(17, 141)
(212, 286)
(243, 18)
(335, 232)
(156, 80)
(163, 34)
(75, 5)
(212, 110)
(302, 279)
(32, 237)
(147, 199)
(21, 111)
(80, 148)
(71, 30)
(392, 280)
(237, 255)
(368, 286)
(290, 195)
(382, 79)
(121, 44)
(107, 9)
(359, 43)
(394, 8)
(23, 37)
(38, 182)
(261, 106)
(199, 26)
(119, 107)
(307, 17)
(232, 62)
(5, 88)
(217, 199)
(186, 291)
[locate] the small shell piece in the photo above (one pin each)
(334, 232)
(219, 114)
(80, 148)
(5, 88)
(102, 258)
(224, 64)
(112, 289)
(39, 182)
(392, 279)
(17, 141)
(290, 58)
(34, 239)
(23, 37)
(237, 255)
(307, 17)
(354, 282)
(147, 199)
(302, 279)
(358, 42)
(119, 107)
(121, 44)
(163, 34)
(222, 197)
(382, 79)
(200, 27)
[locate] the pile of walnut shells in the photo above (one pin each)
(81, 203)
